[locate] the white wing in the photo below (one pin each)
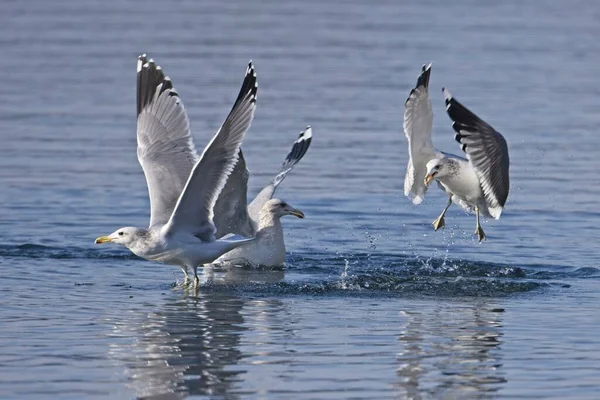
(418, 122)
(165, 148)
(231, 208)
(232, 213)
(486, 150)
(194, 210)
(299, 149)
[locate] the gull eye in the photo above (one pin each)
(283, 205)
(121, 233)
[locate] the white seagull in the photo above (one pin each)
(262, 217)
(183, 187)
(479, 183)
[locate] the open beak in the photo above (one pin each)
(103, 239)
(296, 213)
(429, 178)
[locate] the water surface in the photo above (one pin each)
(372, 303)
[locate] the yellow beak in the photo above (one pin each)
(103, 239)
(428, 179)
(296, 213)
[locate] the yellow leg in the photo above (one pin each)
(440, 221)
(186, 281)
(478, 230)
(196, 279)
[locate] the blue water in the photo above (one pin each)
(372, 303)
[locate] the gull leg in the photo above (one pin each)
(440, 221)
(186, 281)
(196, 279)
(478, 231)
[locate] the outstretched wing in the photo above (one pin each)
(165, 147)
(194, 210)
(418, 123)
(486, 150)
(298, 151)
(231, 208)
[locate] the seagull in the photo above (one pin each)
(262, 217)
(478, 183)
(269, 247)
(183, 187)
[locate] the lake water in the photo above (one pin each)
(372, 303)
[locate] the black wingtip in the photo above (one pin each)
(422, 80)
(462, 118)
(458, 113)
(142, 59)
(306, 134)
(300, 148)
(249, 86)
(448, 99)
(149, 77)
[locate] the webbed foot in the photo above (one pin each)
(439, 223)
(480, 234)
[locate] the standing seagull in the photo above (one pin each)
(478, 183)
(183, 186)
(262, 217)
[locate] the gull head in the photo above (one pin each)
(436, 168)
(126, 236)
(278, 208)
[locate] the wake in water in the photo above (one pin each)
(363, 274)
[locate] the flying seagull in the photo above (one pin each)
(183, 187)
(478, 183)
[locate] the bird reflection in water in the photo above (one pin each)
(452, 353)
(239, 274)
(190, 346)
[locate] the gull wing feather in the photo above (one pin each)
(194, 210)
(486, 150)
(418, 123)
(299, 149)
(165, 150)
(231, 208)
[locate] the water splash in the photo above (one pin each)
(324, 273)
(344, 275)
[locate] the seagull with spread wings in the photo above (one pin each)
(183, 187)
(478, 183)
(262, 217)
